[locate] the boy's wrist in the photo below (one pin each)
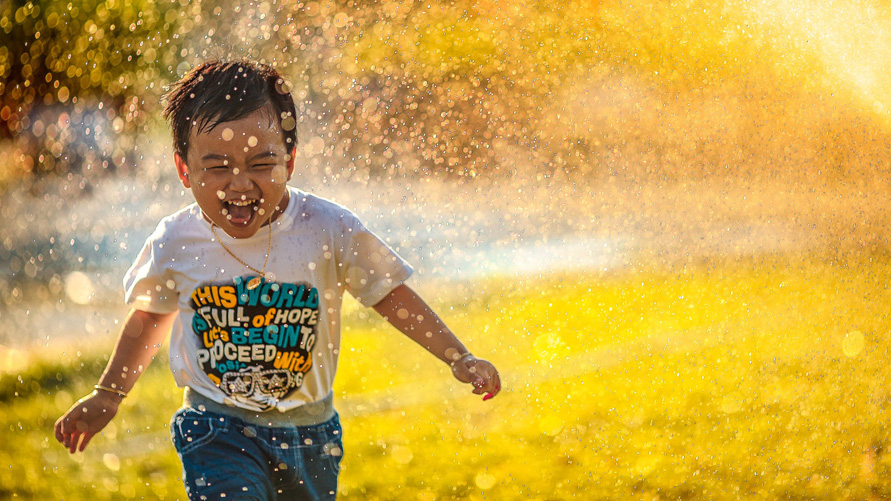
(110, 391)
(459, 357)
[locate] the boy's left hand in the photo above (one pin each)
(478, 372)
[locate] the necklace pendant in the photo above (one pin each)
(253, 283)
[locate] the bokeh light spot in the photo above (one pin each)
(853, 343)
(485, 480)
(111, 461)
(401, 454)
(79, 287)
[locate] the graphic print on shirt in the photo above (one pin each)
(255, 345)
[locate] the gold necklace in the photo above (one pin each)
(254, 282)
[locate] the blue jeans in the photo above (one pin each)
(226, 457)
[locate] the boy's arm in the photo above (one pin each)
(140, 338)
(411, 315)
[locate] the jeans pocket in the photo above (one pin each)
(192, 429)
(330, 437)
(333, 452)
(321, 446)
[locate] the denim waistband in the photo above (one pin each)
(305, 415)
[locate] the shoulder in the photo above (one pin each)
(181, 223)
(313, 208)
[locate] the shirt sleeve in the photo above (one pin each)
(370, 268)
(146, 288)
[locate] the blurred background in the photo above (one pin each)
(608, 159)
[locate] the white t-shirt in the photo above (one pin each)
(275, 346)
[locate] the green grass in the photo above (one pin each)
(762, 378)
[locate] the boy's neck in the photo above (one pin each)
(282, 206)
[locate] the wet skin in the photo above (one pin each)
(238, 172)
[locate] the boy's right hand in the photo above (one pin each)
(86, 418)
(478, 372)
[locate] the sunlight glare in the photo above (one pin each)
(847, 39)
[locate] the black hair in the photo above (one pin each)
(221, 91)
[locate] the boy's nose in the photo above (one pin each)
(241, 181)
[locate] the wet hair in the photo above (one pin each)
(221, 91)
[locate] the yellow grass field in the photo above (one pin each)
(759, 378)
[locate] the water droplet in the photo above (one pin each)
(485, 480)
(452, 354)
(111, 461)
(279, 174)
(228, 134)
(252, 141)
(731, 404)
(221, 194)
(853, 343)
(78, 287)
(401, 454)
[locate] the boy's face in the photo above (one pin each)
(237, 172)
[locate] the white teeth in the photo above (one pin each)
(241, 203)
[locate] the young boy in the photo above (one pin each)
(251, 279)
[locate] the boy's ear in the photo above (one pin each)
(290, 163)
(182, 170)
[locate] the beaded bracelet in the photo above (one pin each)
(111, 390)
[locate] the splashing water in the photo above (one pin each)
(521, 146)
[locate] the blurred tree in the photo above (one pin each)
(459, 88)
(69, 77)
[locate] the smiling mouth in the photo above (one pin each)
(240, 212)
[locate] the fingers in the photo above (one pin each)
(85, 440)
(479, 384)
(481, 374)
(76, 441)
(58, 430)
(64, 434)
(486, 380)
(73, 434)
(496, 389)
(72, 442)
